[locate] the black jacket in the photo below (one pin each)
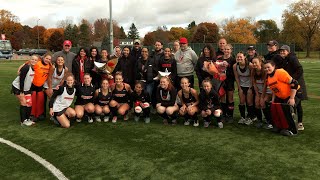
(201, 74)
(146, 70)
(127, 66)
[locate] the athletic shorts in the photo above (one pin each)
(15, 90)
(245, 90)
(229, 84)
(60, 113)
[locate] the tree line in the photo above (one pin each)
(300, 20)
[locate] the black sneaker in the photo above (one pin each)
(286, 132)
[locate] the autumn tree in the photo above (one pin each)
(149, 39)
(206, 32)
(133, 32)
(178, 32)
(55, 40)
(291, 29)
(48, 33)
(9, 24)
(64, 23)
(191, 28)
(308, 14)
(266, 30)
(101, 28)
(239, 31)
(34, 36)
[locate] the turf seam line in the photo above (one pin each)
(55, 171)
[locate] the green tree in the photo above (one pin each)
(84, 34)
(55, 41)
(308, 14)
(105, 43)
(133, 32)
(122, 34)
(266, 30)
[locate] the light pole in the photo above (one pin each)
(38, 31)
(111, 27)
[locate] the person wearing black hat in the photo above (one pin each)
(294, 68)
(273, 53)
(136, 50)
(251, 53)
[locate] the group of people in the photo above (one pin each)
(161, 80)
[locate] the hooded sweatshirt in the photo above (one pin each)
(186, 61)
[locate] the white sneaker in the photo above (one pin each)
(147, 120)
(126, 117)
(136, 118)
(27, 122)
(90, 120)
(242, 121)
(106, 119)
(114, 119)
(196, 124)
(220, 125)
(98, 119)
(187, 123)
(248, 121)
(300, 127)
(254, 119)
(78, 120)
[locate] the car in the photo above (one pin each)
(23, 51)
(38, 52)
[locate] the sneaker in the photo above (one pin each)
(268, 126)
(27, 122)
(106, 119)
(254, 119)
(242, 120)
(98, 119)
(196, 123)
(136, 118)
(187, 123)
(78, 120)
(174, 121)
(114, 119)
(54, 119)
(300, 127)
(90, 120)
(220, 125)
(286, 132)
(126, 117)
(165, 122)
(147, 120)
(248, 121)
(206, 124)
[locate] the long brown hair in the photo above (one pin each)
(254, 71)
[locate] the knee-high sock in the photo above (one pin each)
(224, 108)
(206, 119)
(186, 117)
(34, 100)
(23, 114)
(230, 109)
(114, 111)
(242, 109)
(146, 112)
(267, 113)
(250, 110)
(173, 116)
(258, 113)
(299, 112)
(194, 117)
(164, 116)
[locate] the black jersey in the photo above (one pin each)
(121, 96)
(143, 97)
(209, 101)
(102, 99)
(166, 97)
(188, 100)
(85, 94)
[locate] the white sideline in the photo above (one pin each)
(55, 171)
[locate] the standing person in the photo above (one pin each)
(84, 106)
(41, 73)
(251, 53)
(121, 101)
(176, 47)
(242, 75)
(147, 70)
(102, 99)
(186, 61)
(94, 56)
(169, 64)
(284, 89)
(207, 55)
(189, 101)
(142, 101)
(21, 89)
(292, 65)
(166, 106)
(227, 102)
(66, 53)
(81, 65)
(262, 102)
(126, 64)
(273, 53)
(158, 52)
(56, 77)
(221, 43)
(136, 50)
(209, 104)
(61, 101)
(116, 52)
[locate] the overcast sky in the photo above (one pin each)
(146, 14)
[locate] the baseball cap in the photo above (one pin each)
(67, 42)
(183, 40)
(251, 48)
(273, 43)
(136, 41)
(285, 47)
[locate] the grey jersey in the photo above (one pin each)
(260, 84)
(56, 79)
(27, 81)
(63, 101)
(244, 77)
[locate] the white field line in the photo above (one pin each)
(55, 171)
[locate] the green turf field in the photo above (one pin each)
(129, 150)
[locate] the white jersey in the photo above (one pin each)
(56, 79)
(63, 101)
(244, 77)
(260, 84)
(27, 81)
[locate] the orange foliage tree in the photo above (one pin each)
(239, 31)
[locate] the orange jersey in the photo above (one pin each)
(279, 83)
(41, 73)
